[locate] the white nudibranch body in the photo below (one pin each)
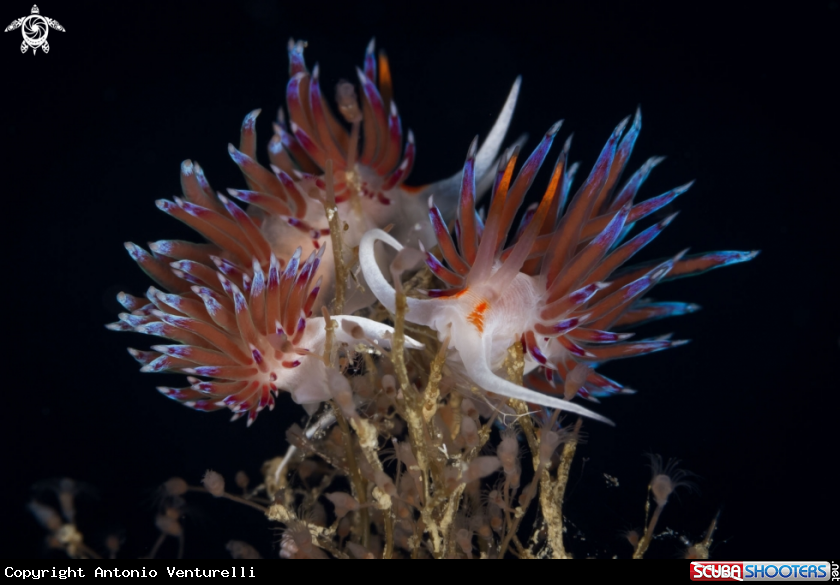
(481, 324)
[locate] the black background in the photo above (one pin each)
(738, 98)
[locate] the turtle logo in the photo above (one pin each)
(35, 28)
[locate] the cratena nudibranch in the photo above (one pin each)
(561, 287)
(370, 158)
(250, 339)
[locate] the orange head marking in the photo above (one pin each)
(476, 317)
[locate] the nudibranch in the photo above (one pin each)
(286, 203)
(560, 288)
(252, 337)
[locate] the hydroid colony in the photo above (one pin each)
(424, 333)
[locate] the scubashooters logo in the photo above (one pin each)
(798, 571)
(35, 29)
